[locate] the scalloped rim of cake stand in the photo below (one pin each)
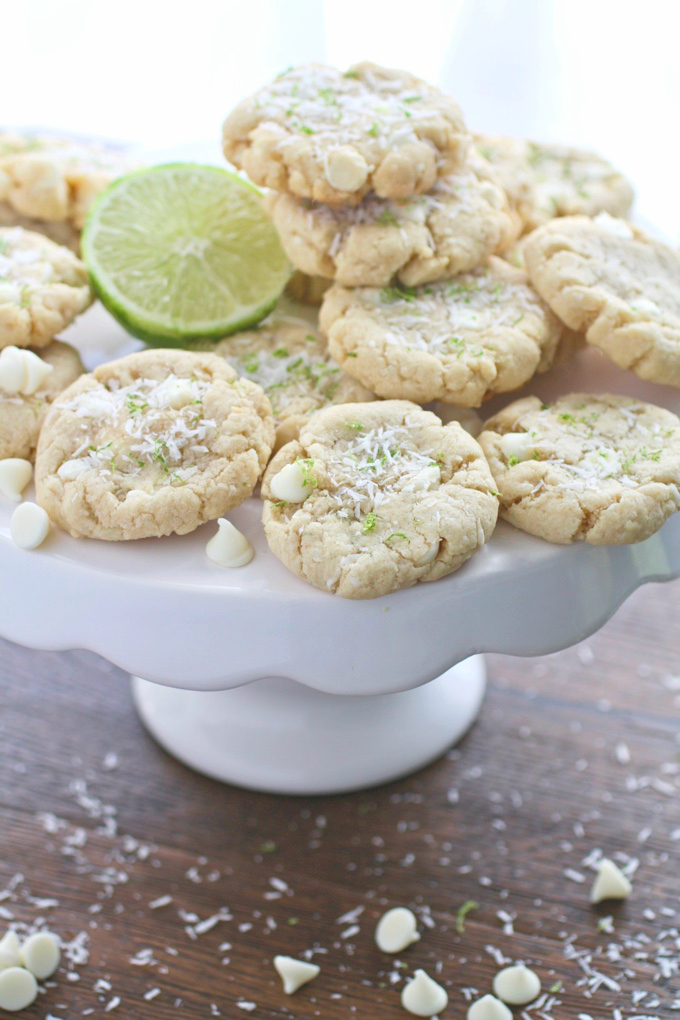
(158, 608)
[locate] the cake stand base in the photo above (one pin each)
(278, 736)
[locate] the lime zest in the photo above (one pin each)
(463, 912)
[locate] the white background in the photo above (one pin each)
(600, 73)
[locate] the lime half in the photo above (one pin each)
(183, 252)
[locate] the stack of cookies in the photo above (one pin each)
(432, 294)
(378, 187)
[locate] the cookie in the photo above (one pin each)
(602, 469)
(321, 134)
(22, 415)
(459, 341)
(43, 287)
(54, 180)
(389, 497)
(154, 443)
(545, 180)
(612, 282)
(455, 227)
(307, 290)
(61, 233)
(289, 359)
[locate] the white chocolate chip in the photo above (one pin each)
(294, 973)
(175, 393)
(18, 989)
(517, 444)
(645, 305)
(397, 928)
(427, 477)
(15, 474)
(424, 997)
(41, 954)
(517, 985)
(431, 553)
(10, 949)
(619, 228)
(29, 526)
(10, 292)
(346, 169)
(229, 547)
(290, 484)
(36, 371)
(488, 1008)
(610, 884)
(71, 469)
(22, 371)
(11, 370)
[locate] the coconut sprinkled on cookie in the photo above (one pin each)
(153, 436)
(43, 287)
(603, 469)
(155, 443)
(614, 283)
(322, 134)
(385, 496)
(453, 228)
(289, 359)
(458, 341)
(544, 180)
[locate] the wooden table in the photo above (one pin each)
(181, 890)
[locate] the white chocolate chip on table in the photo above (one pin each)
(18, 989)
(294, 973)
(29, 526)
(396, 930)
(22, 371)
(517, 985)
(488, 1008)
(15, 474)
(424, 997)
(40, 954)
(610, 883)
(229, 547)
(10, 948)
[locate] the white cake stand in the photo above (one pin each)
(256, 678)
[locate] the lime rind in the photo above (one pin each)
(163, 242)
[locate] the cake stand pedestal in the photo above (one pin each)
(280, 736)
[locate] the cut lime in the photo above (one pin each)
(183, 252)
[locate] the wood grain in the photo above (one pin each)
(574, 752)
